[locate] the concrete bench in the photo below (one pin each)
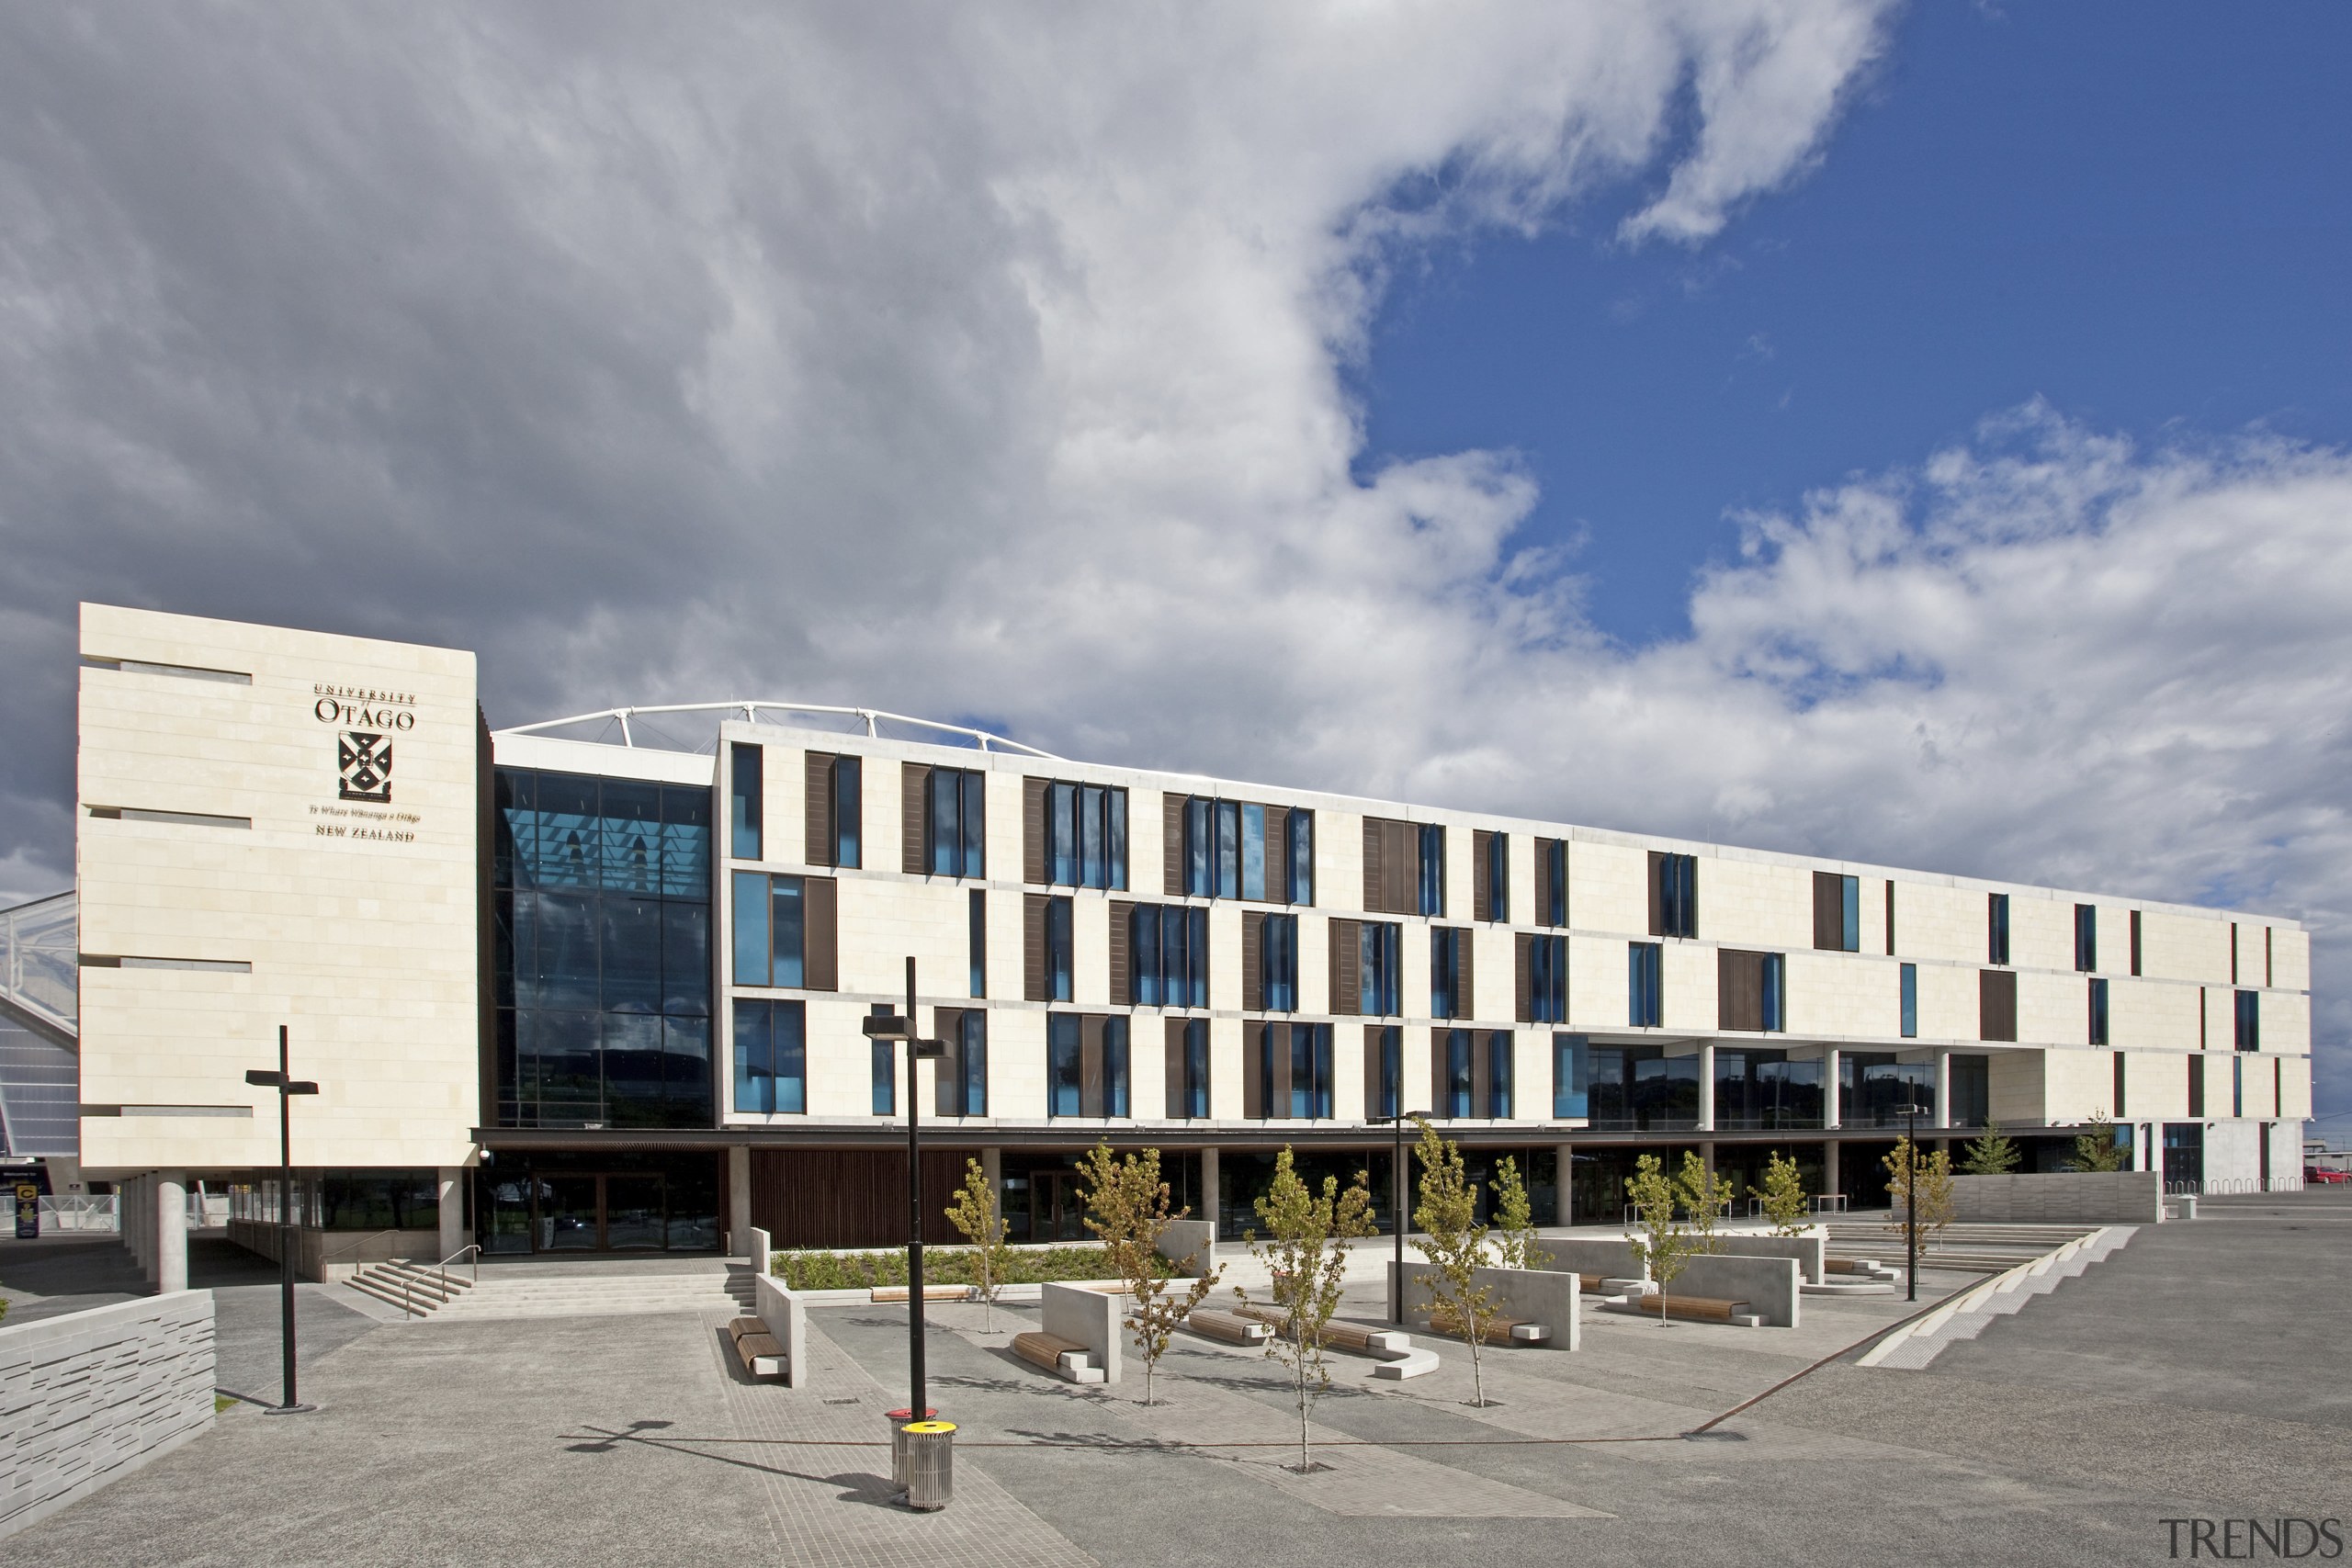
(1231, 1327)
(762, 1356)
(1699, 1309)
(1063, 1358)
(1395, 1350)
(1444, 1320)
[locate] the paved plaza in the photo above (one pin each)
(2196, 1371)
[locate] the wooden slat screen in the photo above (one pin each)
(1828, 910)
(1466, 969)
(1400, 867)
(1090, 1064)
(821, 926)
(1253, 961)
(1657, 893)
(1996, 1004)
(1890, 916)
(1374, 888)
(913, 796)
(1277, 855)
(1035, 984)
(1440, 1085)
(1171, 821)
(1033, 830)
(1542, 914)
(1253, 1071)
(1346, 963)
(1278, 1047)
(851, 1197)
(819, 842)
(1523, 982)
(1739, 989)
(1174, 1047)
(1123, 952)
(1482, 884)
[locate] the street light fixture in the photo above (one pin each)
(287, 1087)
(894, 1027)
(1911, 1111)
(1397, 1212)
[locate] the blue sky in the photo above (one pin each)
(2138, 213)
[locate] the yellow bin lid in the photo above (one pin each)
(928, 1429)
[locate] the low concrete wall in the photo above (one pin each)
(1189, 1244)
(1539, 1295)
(1767, 1284)
(2073, 1197)
(788, 1323)
(1611, 1257)
(760, 1250)
(1808, 1250)
(1086, 1318)
(88, 1397)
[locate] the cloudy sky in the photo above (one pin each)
(1920, 437)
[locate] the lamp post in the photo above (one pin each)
(287, 1087)
(1397, 1215)
(1911, 1111)
(895, 1027)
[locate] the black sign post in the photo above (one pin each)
(28, 1211)
(284, 1082)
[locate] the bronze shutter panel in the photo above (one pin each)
(1890, 918)
(1375, 889)
(1400, 865)
(1172, 819)
(1466, 969)
(820, 922)
(1372, 1071)
(1439, 1085)
(1123, 952)
(1996, 1004)
(1033, 830)
(1731, 975)
(1277, 1038)
(1523, 986)
(819, 846)
(1034, 987)
(1482, 886)
(1090, 1064)
(1481, 1067)
(1542, 914)
(1828, 910)
(1347, 954)
(1173, 1036)
(1277, 855)
(1657, 893)
(912, 779)
(1253, 961)
(948, 1077)
(1253, 1071)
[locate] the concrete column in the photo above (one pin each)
(1829, 1167)
(1943, 1086)
(1829, 1086)
(171, 1231)
(739, 1199)
(1568, 1184)
(1707, 1155)
(1707, 1086)
(992, 1172)
(130, 1210)
(1209, 1210)
(453, 1209)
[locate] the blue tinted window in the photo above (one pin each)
(1853, 913)
(1200, 879)
(1432, 869)
(1388, 1077)
(1063, 1063)
(2249, 1021)
(1197, 1067)
(1775, 988)
(1145, 963)
(1057, 948)
(1061, 815)
(569, 837)
(1279, 949)
(885, 1056)
(1254, 852)
(1499, 1066)
(1571, 1075)
(1910, 1001)
(1093, 867)
(629, 831)
(2099, 1012)
(771, 1057)
(1117, 833)
(1380, 957)
(1445, 972)
(631, 944)
(849, 813)
(972, 1060)
(1499, 876)
(743, 802)
(755, 1058)
(1996, 924)
(1114, 1066)
(1645, 1005)
(1547, 989)
(978, 940)
(1457, 1072)
(1228, 849)
(785, 930)
(686, 841)
(1555, 910)
(1299, 836)
(2086, 937)
(946, 826)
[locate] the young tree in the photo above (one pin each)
(1665, 1245)
(1127, 1207)
(1784, 1197)
(1990, 1155)
(1923, 1187)
(2097, 1149)
(1306, 1251)
(1514, 1220)
(1706, 1195)
(1455, 1244)
(975, 1214)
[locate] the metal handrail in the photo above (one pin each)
(346, 1246)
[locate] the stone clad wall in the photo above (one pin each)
(89, 1396)
(2079, 1196)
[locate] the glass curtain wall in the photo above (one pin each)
(600, 963)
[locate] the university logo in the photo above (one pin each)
(365, 763)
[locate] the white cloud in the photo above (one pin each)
(988, 361)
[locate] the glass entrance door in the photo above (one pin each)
(571, 1217)
(632, 1212)
(1057, 1212)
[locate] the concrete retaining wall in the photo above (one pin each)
(788, 1323)
(88, 1397)
(1611, 1257)
(1089, 1318)
(2073, 1197)
(1767, 1284)
(1188, 1244)
(1808, 1250)
(1539, 1295)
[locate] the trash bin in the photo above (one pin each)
(897, 1419)
(931, 1463)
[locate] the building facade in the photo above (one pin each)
(564, 994)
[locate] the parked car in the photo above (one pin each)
(2316, 1175)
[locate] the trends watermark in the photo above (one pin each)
(2240, 1540)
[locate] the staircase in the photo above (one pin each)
(1985, 1246)
(533, 1288)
